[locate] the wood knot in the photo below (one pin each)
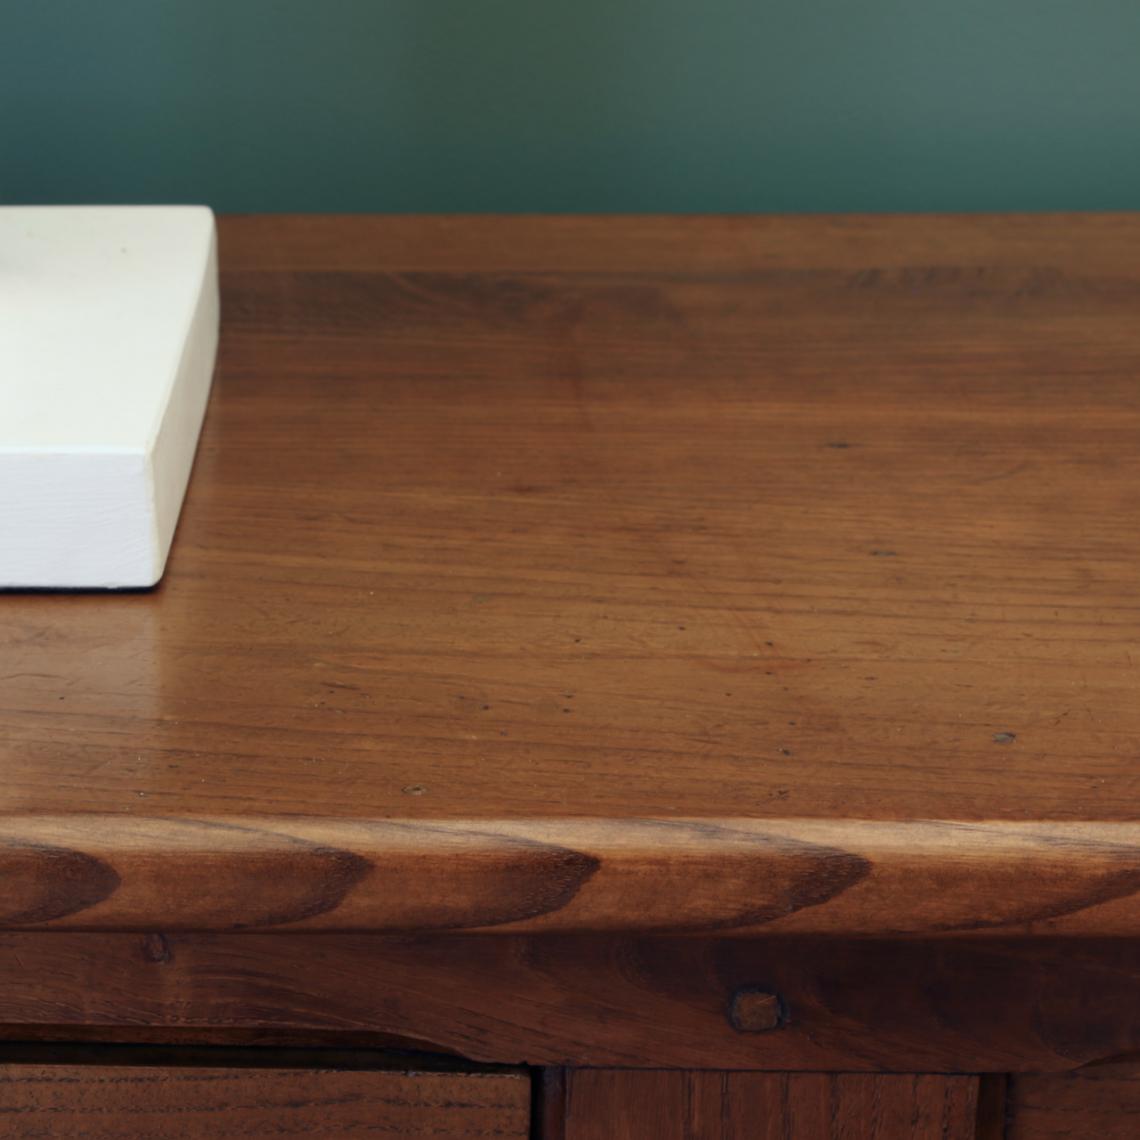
(155, 948)
(756, 1011)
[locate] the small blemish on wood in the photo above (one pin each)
(341, 685)
(884, 553)
(756, 1011)
(838, 444)
(414, 790)
(1004, 737)
(155, 948)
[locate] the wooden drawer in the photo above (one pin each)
(706, 1105)
(1099, 1103)
(185, 1103)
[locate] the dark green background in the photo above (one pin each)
(582, 105)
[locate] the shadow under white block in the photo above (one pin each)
(108, 332)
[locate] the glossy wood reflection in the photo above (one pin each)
(566, 523)
(680, 876)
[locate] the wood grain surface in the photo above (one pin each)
(603, 1104)
(161, 1103)
(1095, 1104)
(105, 872)
(952, 1005)
(689, 574)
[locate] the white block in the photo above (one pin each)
(108, 330)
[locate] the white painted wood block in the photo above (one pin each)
(108, 331)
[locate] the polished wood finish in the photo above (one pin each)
(960, 1005)
(195, 1103)
(615, 1105)
(638, 644)
(1095, 1104)
(618, 574)
(100, 872)
(1095, 244)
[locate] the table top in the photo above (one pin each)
(603, 573)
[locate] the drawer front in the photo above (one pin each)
(188, 1103)
(597, 1104)
(1096, 1104)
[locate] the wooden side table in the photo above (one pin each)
(616, 678)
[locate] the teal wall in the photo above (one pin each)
(577, 105)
